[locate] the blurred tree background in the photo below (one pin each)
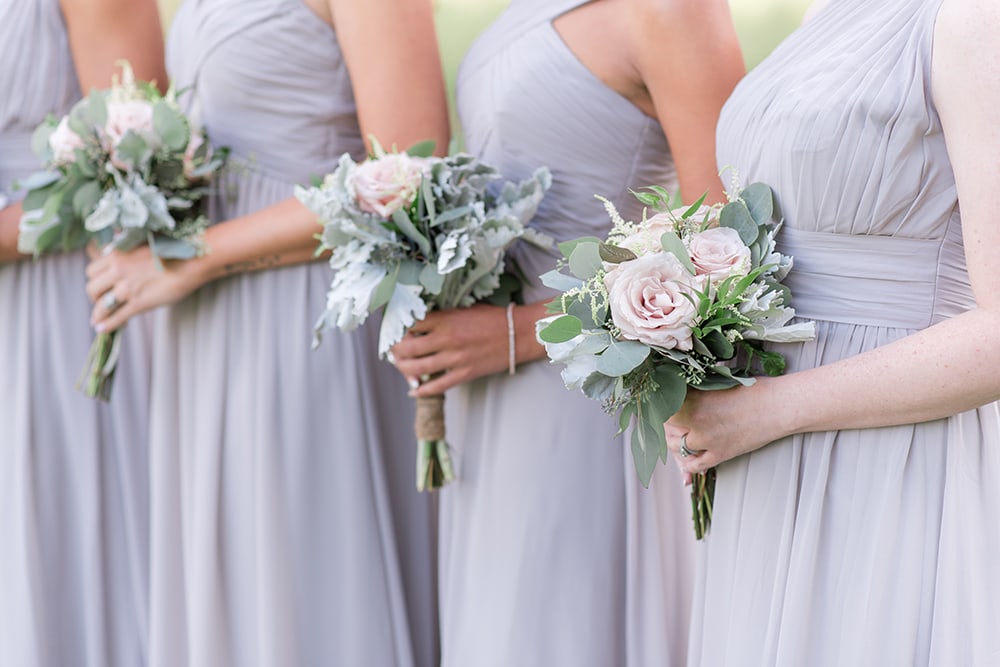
(761, 24)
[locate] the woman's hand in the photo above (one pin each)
(10, 221)
(137, 284)
(463, 344)
(715, 426)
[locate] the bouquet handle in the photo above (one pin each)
(434, 466)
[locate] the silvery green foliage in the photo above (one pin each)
(444, 249)
(645, 384)
(124, 167)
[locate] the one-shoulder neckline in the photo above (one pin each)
(548, 26)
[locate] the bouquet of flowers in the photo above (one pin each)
(683, 298)
(411, 233)
(124, 167)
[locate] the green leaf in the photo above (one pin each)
(170, 124)
(167, 248)
(621, 357)
(672, 243)
(646, 199)
(86, 197)
(451, 214)
(759, 200)
(431, 279)
(561, 330)
(422, 148)
(625, 417)
(736, 215)
(614, 254)
(567, 247)
(560, 281)
(671, 389)
(773, 362)
(581, 310)
(718, 345)
(585, 260)
(646, 448)
(694, 207)
(133, 149)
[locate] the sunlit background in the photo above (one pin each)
(762, 24)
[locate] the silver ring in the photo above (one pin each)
(109, 301)
(685, 451)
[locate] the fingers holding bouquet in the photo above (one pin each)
(453, 346)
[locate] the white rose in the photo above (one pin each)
(387, 184)
(63, 141)
(648, 298)
(135, 115)
(720, 253)
(647, 239)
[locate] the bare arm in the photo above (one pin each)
(102, 32)
(688, 56)
(399, 91)
(940, 371)
(10, 218)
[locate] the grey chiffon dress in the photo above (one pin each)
(874, 546)
(73, 481)
(286, 528)
(551, 552)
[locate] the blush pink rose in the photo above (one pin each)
(648, 303)
(63, 141)
(135, 115)
(387, 184)
(719, 252)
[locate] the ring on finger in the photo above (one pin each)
(110, 301)
(685, 451)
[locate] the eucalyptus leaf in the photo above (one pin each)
(671, 389)
(422, 148)
(625, 417)
(672, 243)
(759, 200)
(168, 248)
(646, 448)
(452, 214)
(560, 281)
(561, 330)
(171, 126)
(133, 149)
(86, 197)
(735, 215)
(431, 279)
(582, 311)
(585, 260)
(567, 247)
(621, 357)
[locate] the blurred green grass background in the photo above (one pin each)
(761, 25)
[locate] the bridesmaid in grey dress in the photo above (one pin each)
(73, 491)
(868, 531)
(286, 529)
(551, 552)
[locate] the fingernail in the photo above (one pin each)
(413, 382)
(99, 328)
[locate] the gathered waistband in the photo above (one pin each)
(857, 279)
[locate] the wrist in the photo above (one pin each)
(527, 347)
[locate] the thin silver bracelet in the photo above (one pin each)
(511, 350)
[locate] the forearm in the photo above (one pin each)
(280, 235)
(943, 370)
(10, 218)
(526, 344)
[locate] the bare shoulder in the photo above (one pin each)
(971, 25)
(675, 13)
